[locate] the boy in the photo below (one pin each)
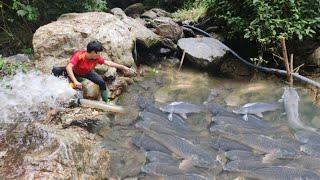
(82, 64)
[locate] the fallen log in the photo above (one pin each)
(264, 69)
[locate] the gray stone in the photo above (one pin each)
(170, 30)
(203, 52)
(314, 58)
(134, 10)
(18, 58)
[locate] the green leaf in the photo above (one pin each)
(22, 12)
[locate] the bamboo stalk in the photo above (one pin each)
(181, 61)
(285, 56)
(291, 70)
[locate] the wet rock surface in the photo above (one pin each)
(203, 52)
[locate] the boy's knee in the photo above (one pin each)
(55, 71)
(102, 84)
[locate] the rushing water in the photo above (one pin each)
(27, 96)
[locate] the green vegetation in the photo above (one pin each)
(20, 18)
(259, 20)
(10, 68)
(192, 10)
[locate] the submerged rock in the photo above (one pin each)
(203, 52)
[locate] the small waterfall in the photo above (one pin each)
(28, 96)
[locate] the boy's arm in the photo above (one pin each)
(116, 65)
(72, 77)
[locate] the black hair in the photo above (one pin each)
(95, 46)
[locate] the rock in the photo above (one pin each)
(134, 10)
(170, 30)
(154, 13)
(110, 74)
(314, 58)
(90, 90)
(168, 43)
(143, 35)
(149, 14)
(18, 57)
(233, 68)
(37, 151)
(188, 32)
(55, 42)
(204, 52)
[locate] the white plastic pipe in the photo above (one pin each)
(101, 105)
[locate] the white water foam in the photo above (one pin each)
(27, 96)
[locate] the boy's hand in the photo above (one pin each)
(78, 84)
(129, 71)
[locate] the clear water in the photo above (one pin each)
(27, 96)
(165, 85)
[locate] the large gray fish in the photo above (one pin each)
(311, 149)
(261, 143)
(182, 108)
(256, 108)
(167, 169)
(283, 172)
(242, 155)
(307, 137)
(186, 150)
(290, 99)
(252, 122)
(224, 144)
(186, 177)
(243, 165)
(148, 144)
(306, 162)
(160, 157)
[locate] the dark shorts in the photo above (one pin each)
(92, 76)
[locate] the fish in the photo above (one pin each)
(242, 155)
(161, 169)
(283, 172)
(148, 144)
(291, 105)
(160, 157)
(258, 170)
(260, 143)
(251, 122)
(311, 149)
(186, 149)
(182, 108)
(307, 137)
(167, 169)
(256, 108)
(174, 124)
(306, 162)
(243, 165)
(224, 144)
(186, 177)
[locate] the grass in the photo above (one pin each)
(10, 68)
(191, 11)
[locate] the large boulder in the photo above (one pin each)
(143, 35)
(203, 52)
(314, 58)
(170, 30)
(55, 42)
(134, 10)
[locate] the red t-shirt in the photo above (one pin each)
(82, 66)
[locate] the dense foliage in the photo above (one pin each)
(20, 18)
(264, 21)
